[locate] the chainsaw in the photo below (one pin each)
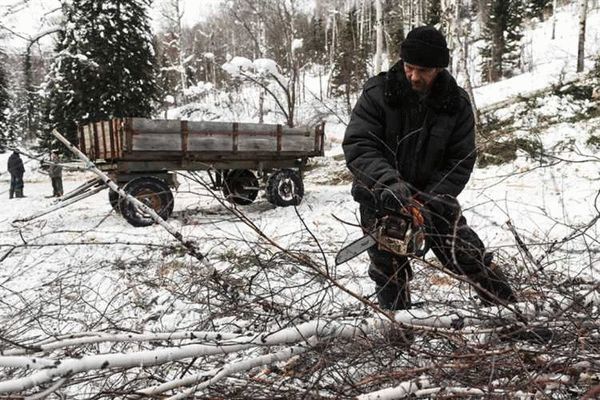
(401, 233)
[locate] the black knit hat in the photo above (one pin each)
(425, 46)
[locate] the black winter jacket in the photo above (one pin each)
(15, 165)
(383, 142)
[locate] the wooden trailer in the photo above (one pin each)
(142, 155)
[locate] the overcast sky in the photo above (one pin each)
(20, 19)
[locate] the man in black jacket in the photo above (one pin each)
(16, 169)
(411, 141)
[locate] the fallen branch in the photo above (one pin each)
(301, 334)
(90, 166)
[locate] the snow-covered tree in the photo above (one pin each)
(104, 67)
(502, 35)
(4, 103)
(350, 64)
(434, 12)
(537, 8)
(173, 58)
(583, 10)
(266, 74)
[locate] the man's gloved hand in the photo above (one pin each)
(444, 207)
(395, 196)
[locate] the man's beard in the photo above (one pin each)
(420, 87)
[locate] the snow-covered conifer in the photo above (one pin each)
(4, 103)
(105, 65)
(350, 69)
(502, 35)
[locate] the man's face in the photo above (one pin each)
(420, 78)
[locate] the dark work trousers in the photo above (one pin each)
(57, 186)
(457, 247)
(16, 185)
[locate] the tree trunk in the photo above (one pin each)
(497, 51)
(261, 107)
(554, 6)
(379, 36)
(179, 30)
(583, 5)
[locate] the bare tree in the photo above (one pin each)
(379, 35)
(583, 9)
(173, 11)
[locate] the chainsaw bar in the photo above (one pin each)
(354, 249)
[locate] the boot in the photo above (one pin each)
(392, 297)
(19, 193)
(495, 285)
(11, 193)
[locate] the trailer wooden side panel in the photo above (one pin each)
(155, 140)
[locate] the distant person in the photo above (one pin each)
(16, 170)
(55, 173)
(411, 143)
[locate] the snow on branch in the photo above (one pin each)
(303, 335)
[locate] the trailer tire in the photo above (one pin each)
(113, 199)
(240, 187)
(285, 188)
(151, 191)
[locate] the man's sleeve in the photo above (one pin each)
(460, 157)
(364, 143)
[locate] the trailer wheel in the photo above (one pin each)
(240, 187)
(285, 188)
(113, 199)
(151, 191)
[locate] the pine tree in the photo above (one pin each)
(5, 131)
(434, 12)
(105, 65)
(513, 31)
(314, 41)
(502, 33)
(536, 8)
(350, 68)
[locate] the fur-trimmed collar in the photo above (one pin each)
(444, 96)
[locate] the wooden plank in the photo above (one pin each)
(246, 128)
(210, 127)
(117, 136)
(184, 137)
(96, 142)
(106, 143)
(279, 132)
(113, 149)
(287, 131)
(82, 139)
(144, 125)
(101, 140)
(202, 142)
(160, 141)
(297, 143)
(257, 143)
(235, 137)
(128, 134)
(88, 141)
